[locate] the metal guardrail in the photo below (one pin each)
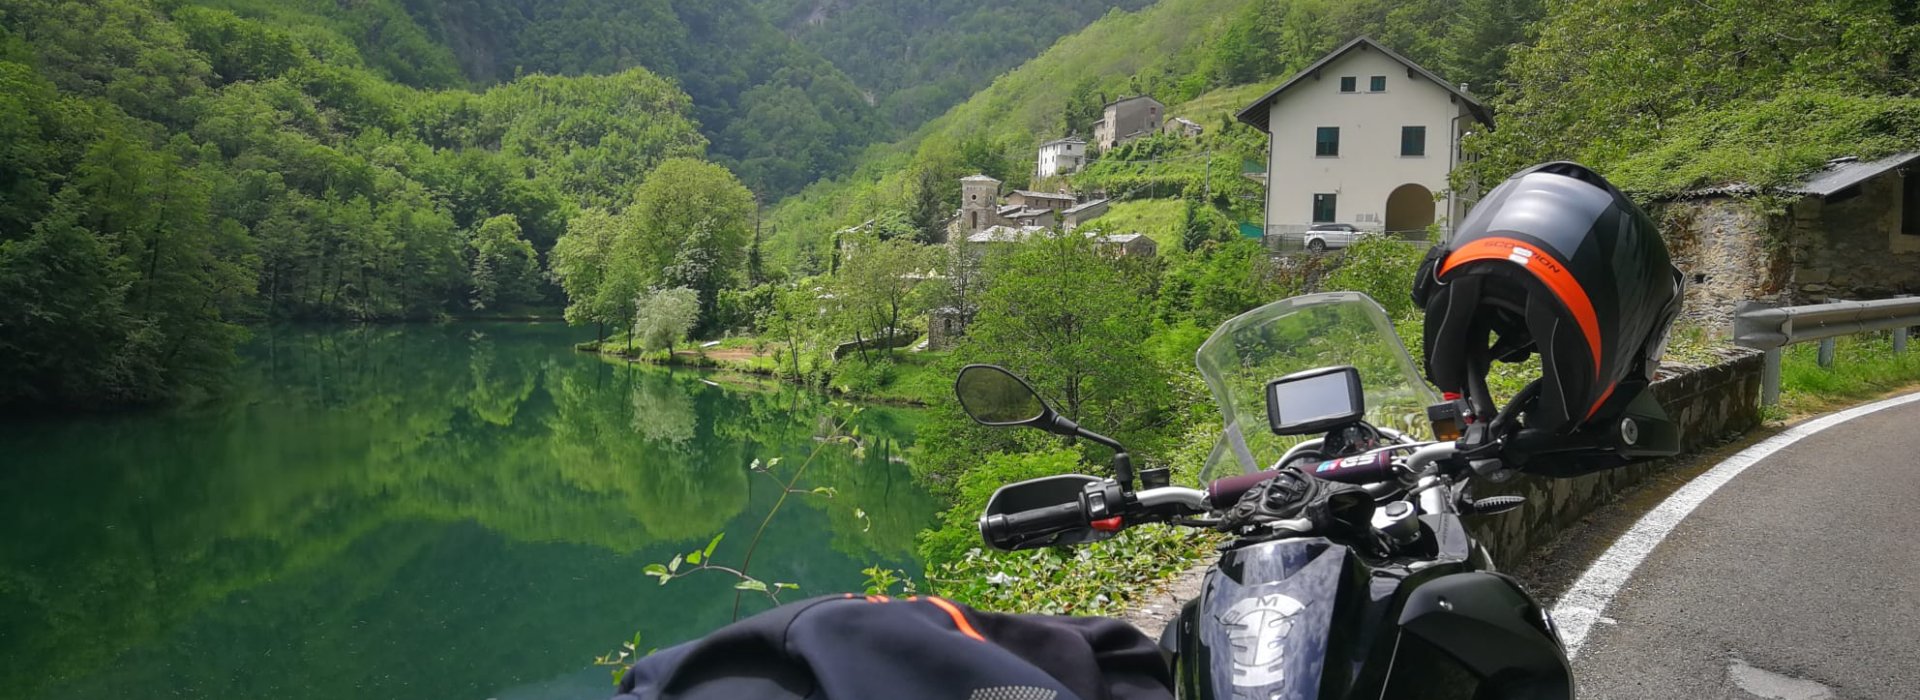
(1771, 329)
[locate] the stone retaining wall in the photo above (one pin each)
(1710, 403)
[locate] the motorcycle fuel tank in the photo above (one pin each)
(1272, 610)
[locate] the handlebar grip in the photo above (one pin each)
(1006, 530)
(1223, 493)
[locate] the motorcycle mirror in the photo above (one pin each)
(995, 397)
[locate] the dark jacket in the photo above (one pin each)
(851, 648)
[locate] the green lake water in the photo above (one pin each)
(419, 512)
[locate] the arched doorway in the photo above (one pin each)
(1409, 208)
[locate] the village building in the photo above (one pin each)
(1072, 217)
(1365, 137)
(1849, 231)
(1127, 245)
(1016, 215)
(981, 208)
(1183, 127)
(1126, 119)
(1060, 157)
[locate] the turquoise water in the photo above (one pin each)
(455, 511)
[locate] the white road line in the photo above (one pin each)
(1582, 605)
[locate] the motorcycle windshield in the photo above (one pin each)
(1298, 334)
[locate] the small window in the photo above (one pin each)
(1377, 84)
(1323, 207)
(1348, 83)
(1413, 140)
(1326, 141)
(1910, 204)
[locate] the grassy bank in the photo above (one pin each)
(899, 376)
(1864, 366)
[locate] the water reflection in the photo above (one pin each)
(414, 512)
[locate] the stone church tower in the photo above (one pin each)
(979, 203)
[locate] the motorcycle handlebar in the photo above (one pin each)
(1003, 531)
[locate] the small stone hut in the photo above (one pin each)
(1850, 231)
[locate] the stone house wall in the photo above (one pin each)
(1732, 249)
(1709, 404)
(1853, 248)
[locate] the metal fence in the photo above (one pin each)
(1771, 329)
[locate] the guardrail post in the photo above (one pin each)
(1899, 340)
(1826, 352)
(1770, 377)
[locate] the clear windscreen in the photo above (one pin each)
(1298, 334)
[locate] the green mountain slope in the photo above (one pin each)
(919, 58)
(777, 114)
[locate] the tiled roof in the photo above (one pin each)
(1255, 114)
(1083, 206)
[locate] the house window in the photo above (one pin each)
(1326, 141)
(1377, 83)
(1323, 208)
(1413, 140)
(1347, 83)
(1910, 203)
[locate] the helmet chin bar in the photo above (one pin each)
(1639, 431)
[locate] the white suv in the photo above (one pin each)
(1320, 237)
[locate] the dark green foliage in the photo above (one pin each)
(923, 57)
(168, 170)
(777, 113)
(1677, 93)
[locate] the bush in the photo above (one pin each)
(957, 531)
(1382, 268)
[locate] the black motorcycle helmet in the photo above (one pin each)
(1556, 261)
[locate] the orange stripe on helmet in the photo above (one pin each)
(959, 620)
(1550, 271)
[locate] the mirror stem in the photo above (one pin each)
(1122, 463)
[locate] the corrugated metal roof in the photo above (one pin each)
(1043, 195)
(1083, 206)
(1840, 174)
(1847, 172)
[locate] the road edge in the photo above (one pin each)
(1580, 606)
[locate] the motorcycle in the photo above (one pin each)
(1407, 604)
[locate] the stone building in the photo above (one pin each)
(1128, 245)
(979, 204)
(1183, 127)
(1057, 201)
(1060, 157)
(1126, 119)
(1850, 231)
(1083, 212)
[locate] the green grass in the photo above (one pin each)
(1207, 109)
(1159, 219)
(1864, 366)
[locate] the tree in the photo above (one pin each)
(503, 265)
(663, 317)
(580, 261)
(793, 321)
(690, 224)
(1073, 322)
(874, 290)
(928, 211)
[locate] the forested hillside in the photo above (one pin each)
(166, 173)
(776, 113)
(919, 58)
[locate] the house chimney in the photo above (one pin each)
(1463, 89)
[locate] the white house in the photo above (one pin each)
(1364, 137)
(1061, 156)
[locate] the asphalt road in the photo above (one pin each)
(1799, 580)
